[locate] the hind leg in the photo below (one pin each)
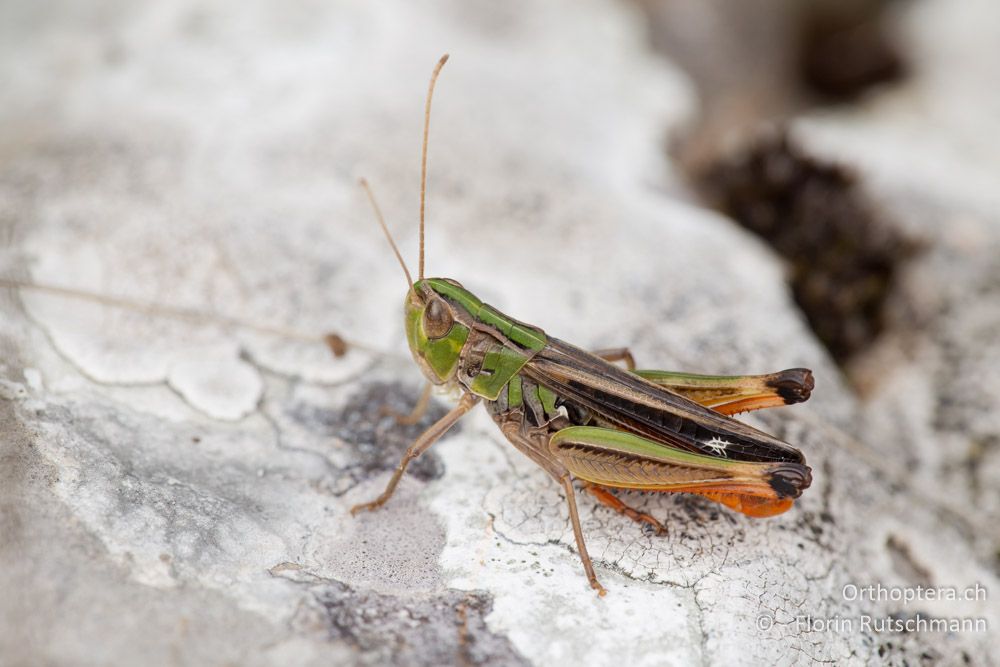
(581, 546)
(605, 497)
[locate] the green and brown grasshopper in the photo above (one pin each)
(581, 417)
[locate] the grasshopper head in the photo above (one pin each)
(435, 311)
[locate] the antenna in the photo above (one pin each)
(388, 236)
(337, 344)
(423, 158)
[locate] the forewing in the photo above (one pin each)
(627, 401)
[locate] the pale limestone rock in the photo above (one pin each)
(206, 156)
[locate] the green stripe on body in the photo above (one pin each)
(526, 336)
(628, 443)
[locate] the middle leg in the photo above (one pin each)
(415, 415)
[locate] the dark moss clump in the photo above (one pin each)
(845, 48)
(843, 258)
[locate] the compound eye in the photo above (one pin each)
(437, 319)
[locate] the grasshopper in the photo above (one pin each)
(579, 416)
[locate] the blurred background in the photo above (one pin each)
(725, 187)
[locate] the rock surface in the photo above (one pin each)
(174, 492)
